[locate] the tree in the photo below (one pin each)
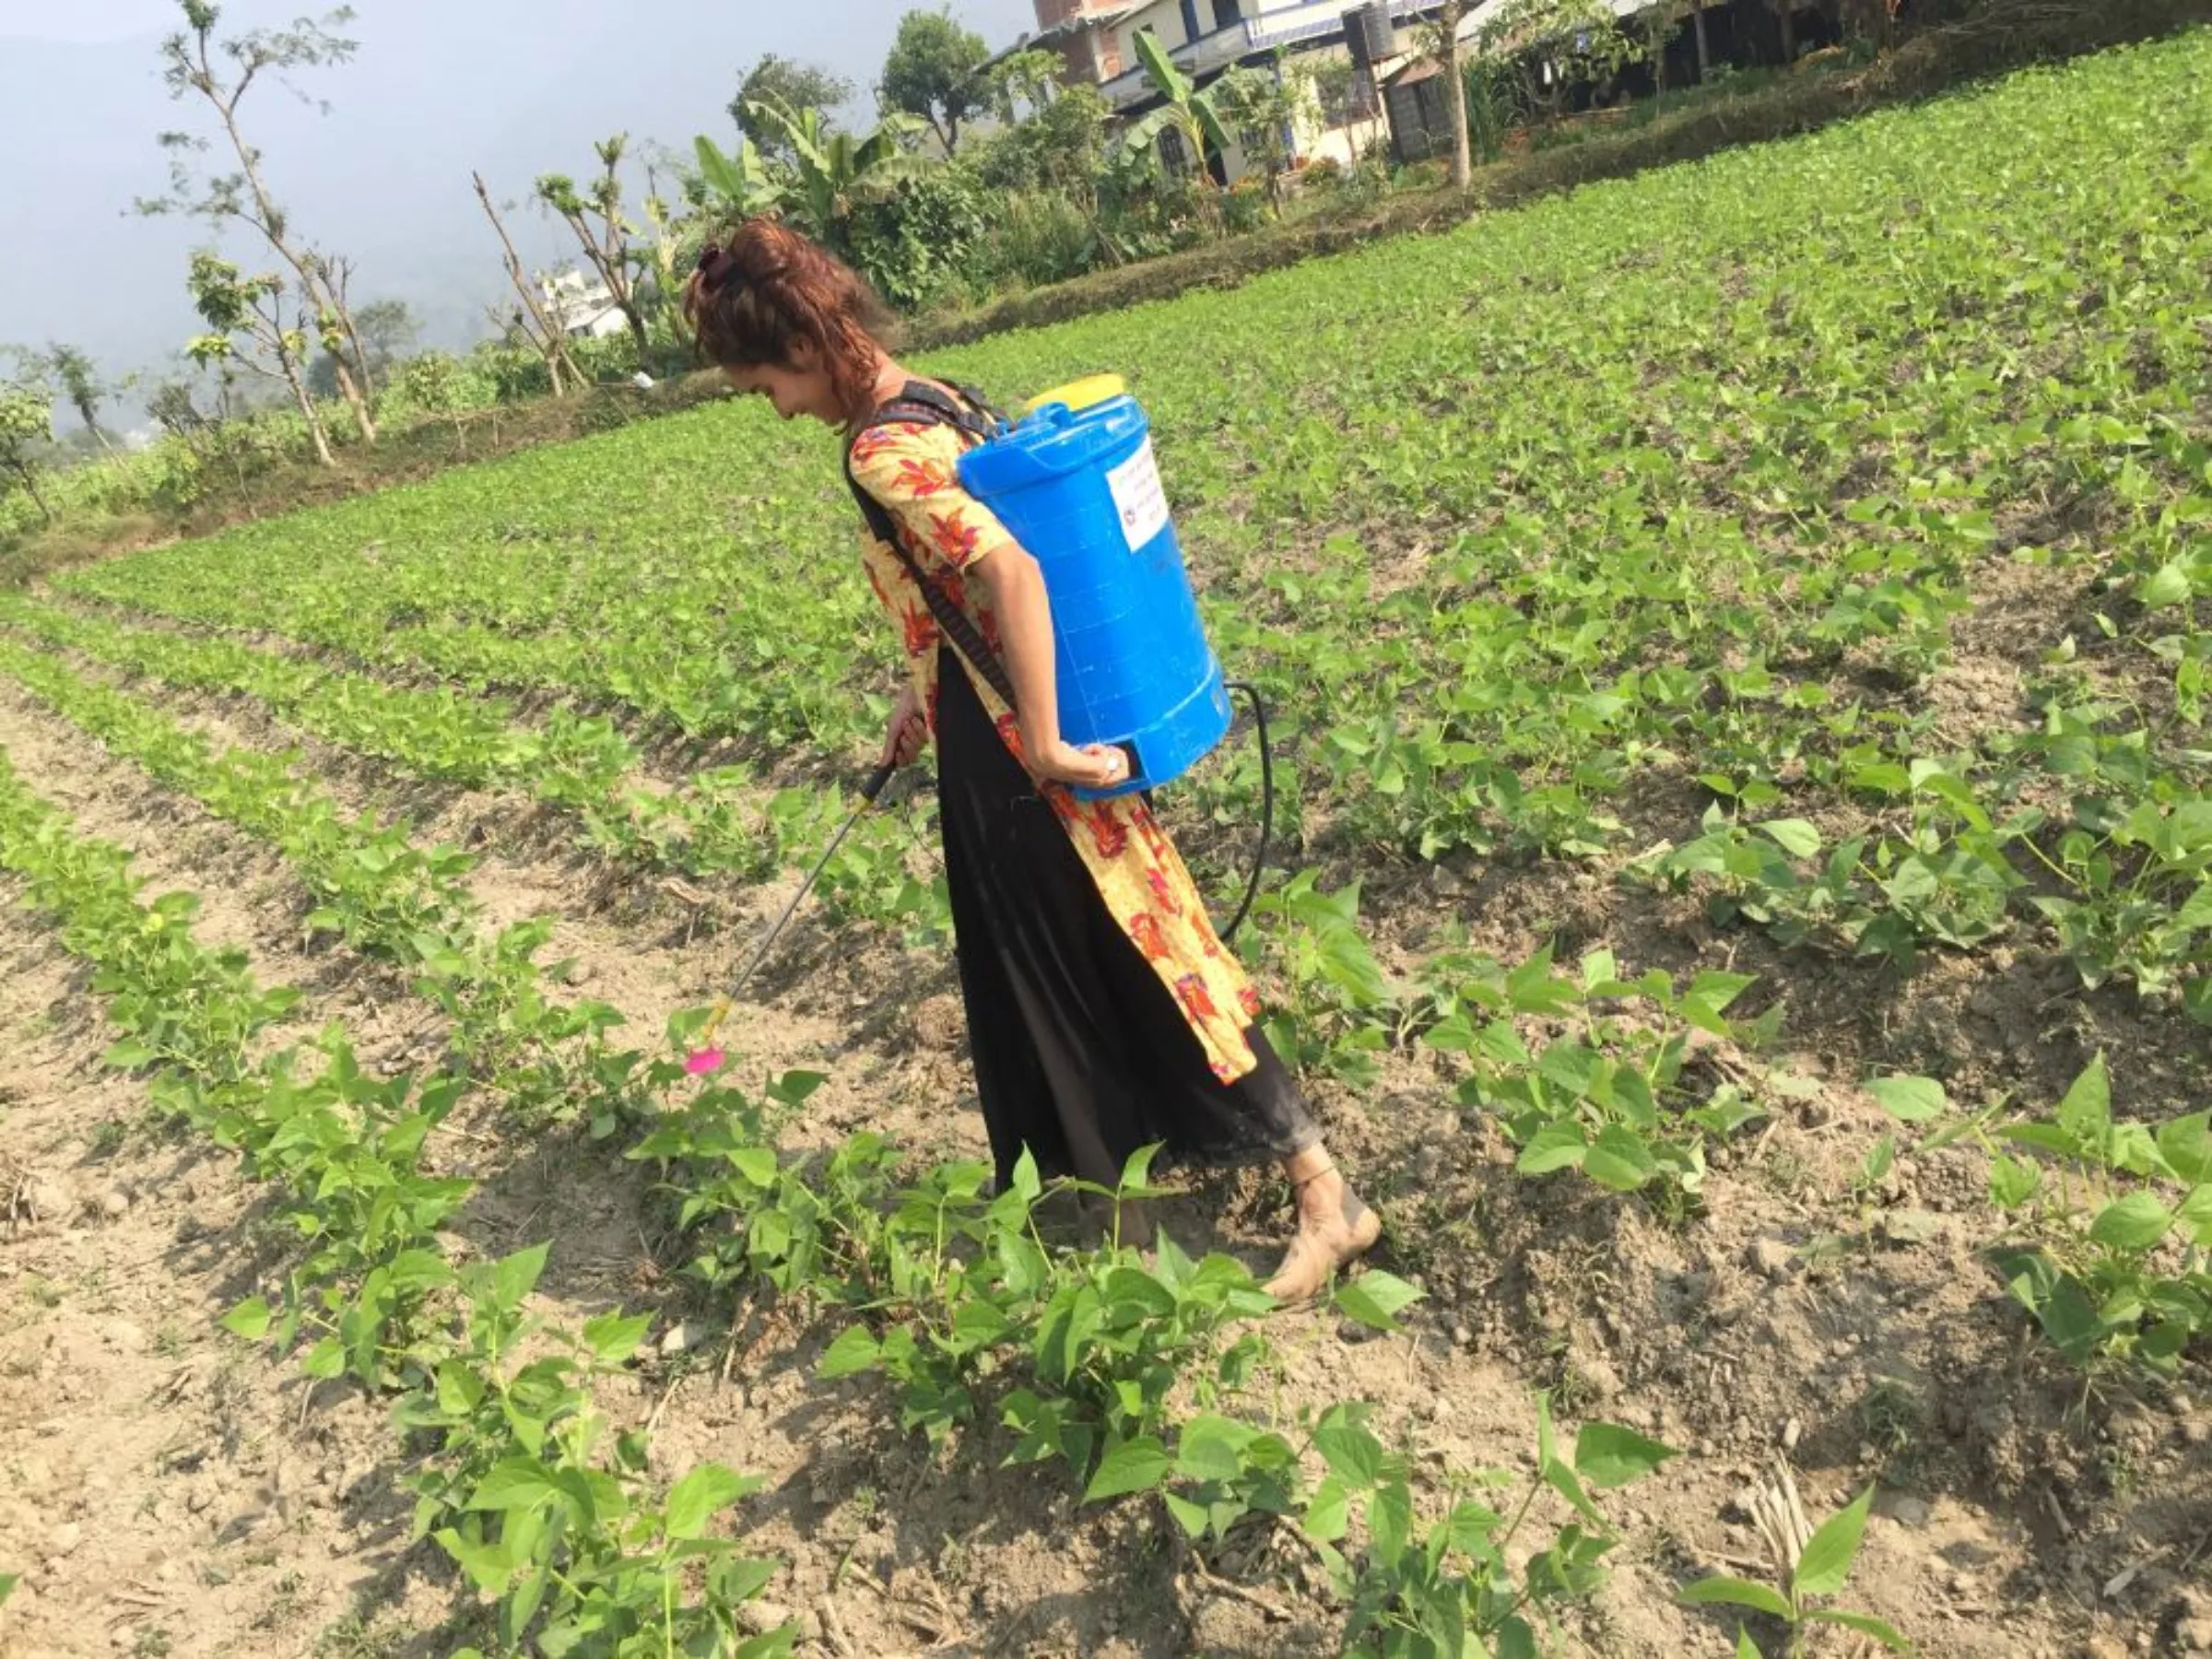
(235, 307)
(1577, 42)
(189, 69)
(936, 71)
(1263, 109)
(531, 319)
(79, 379)
(603, 233)
(388, 332)
(1024, 84)
(25, 427)
(1441, 44)
(777, 82)
(832, 170)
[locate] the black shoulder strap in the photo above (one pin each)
(926, 406)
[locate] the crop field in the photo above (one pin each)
(1742, 904)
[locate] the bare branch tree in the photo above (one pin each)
(190, 69)
(602, 231)
(542, 326)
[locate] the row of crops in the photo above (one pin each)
(1813, 534)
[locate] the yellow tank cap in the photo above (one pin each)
(1080, 393)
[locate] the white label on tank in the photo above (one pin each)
(1139, 498)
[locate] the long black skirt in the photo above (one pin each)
(1081, 1054)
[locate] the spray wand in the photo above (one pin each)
(706, 1057)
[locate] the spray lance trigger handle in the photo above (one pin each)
(873, 789)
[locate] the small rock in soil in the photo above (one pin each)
(690, 1335)
(63, 1539)
(1771, 1258)
(758, 1618)
(122, 1335)
(1909, 1512)
(113, 1205)
(940, 1024)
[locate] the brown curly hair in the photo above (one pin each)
(765, 288)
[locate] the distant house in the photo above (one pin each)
(1206, 38)
(1395, 94)
(584, 307)
(1081, 31)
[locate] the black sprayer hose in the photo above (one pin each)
(1259, 858)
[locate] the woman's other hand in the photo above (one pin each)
(909, 735)
(1094, 766)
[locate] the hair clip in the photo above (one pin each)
(714, 264)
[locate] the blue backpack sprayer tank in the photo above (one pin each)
(1075, 482)
(1076, 485)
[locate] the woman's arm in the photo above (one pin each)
(1016, 585)
(913, 472)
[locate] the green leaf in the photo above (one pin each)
(1557, 1146)
(1375, 1297)
(2186, 1146)
(1608, 1456)
(1866, 1624)
(1191, 1517)
(517, 1483)
(614, 1337)
(1745, 1647)
(325, 1360)
(1910, 1099)
(1736, 1592)
(1135, 1466)
(2087, 1112)
(1211, 1448)
(1794, 836)
(2167, 585)
(1829, 1552)
(1620, 1159)
(2135, 1222)
(8, 1581)
(1329, 1514)
(1351, 1451)
(702, 1495)
(516, 1275)
(854, 1352)
(250, 1319)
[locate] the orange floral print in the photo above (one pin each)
(1191, 992)
(1163, 892)
(924, 477)
(956, 538)
(1143, 927)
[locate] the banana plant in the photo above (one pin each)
(1196, 114)
(834, 170)
(742, 183)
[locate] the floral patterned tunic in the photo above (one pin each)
(909, 468)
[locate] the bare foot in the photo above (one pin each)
(1334, 1227)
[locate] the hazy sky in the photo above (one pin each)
(515, 87)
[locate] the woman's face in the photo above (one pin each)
(800, 388)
